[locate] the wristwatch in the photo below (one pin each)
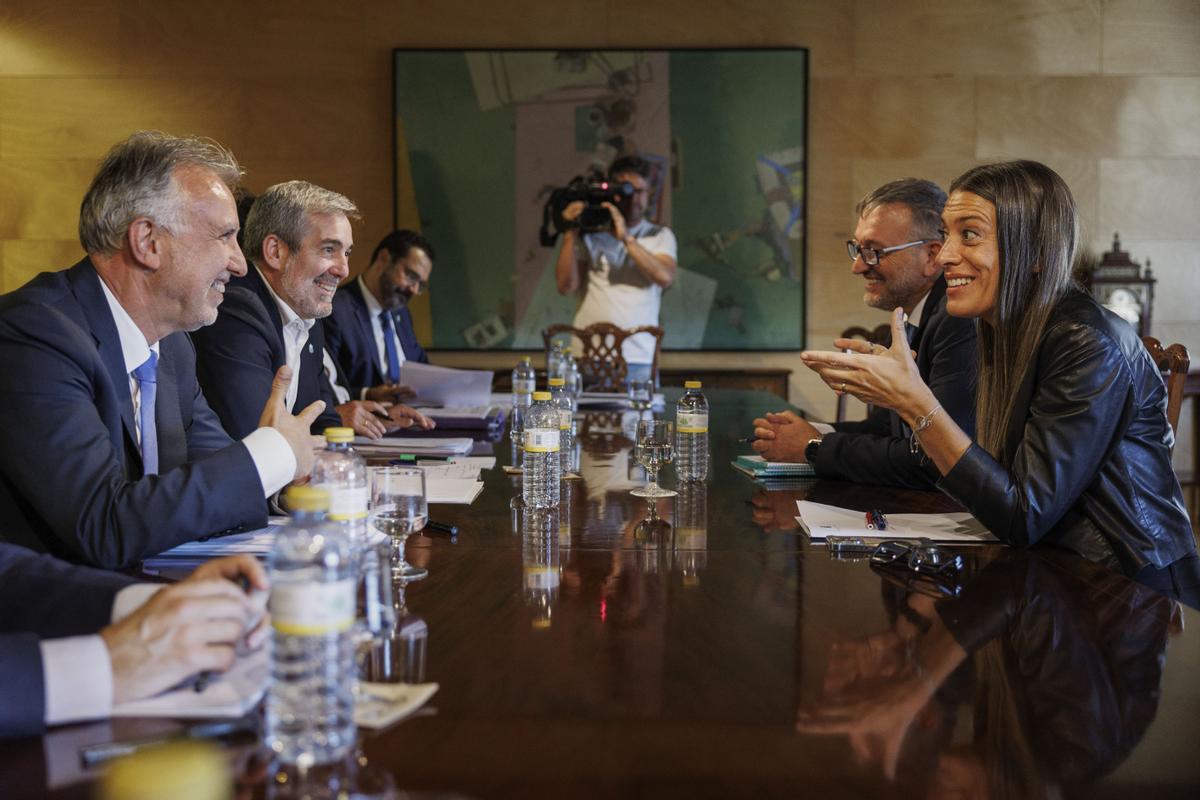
(811, 449)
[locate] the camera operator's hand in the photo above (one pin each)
(619, 229)
(572, 210)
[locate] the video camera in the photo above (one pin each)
(594, 191)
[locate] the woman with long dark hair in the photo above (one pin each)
(1073, 446)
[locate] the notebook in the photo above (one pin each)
(758, 467)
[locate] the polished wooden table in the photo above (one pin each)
(593, 656)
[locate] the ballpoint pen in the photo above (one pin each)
(748, 440)
(441, 527)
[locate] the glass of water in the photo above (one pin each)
(398, 509)
(641, 394)
(654, 447)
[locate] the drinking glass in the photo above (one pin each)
(641, 394)
(398, 509)
(654, 447)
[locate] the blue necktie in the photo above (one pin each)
(147, 378)
(389, 344)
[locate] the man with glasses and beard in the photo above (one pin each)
(370, 333)
(894, 249)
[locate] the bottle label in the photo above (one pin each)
(541, 440)
(565, 417)
(348, 503)
(542, 577)
(691, 422)
(312, 609)
(523, 387)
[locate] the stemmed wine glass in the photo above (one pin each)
(398, 508)
(654, 447)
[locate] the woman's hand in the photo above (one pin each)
(886, 377)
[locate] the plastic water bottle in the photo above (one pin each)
(541, 465)
(343, 474)
(573, 379)
(310, 702)
(523, 383)
(561, 399)
(555, 358)
(691, 434)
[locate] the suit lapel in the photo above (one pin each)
(85, 284)
(363, 317)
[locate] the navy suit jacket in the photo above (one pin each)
(876, 450)
(71, 476)
(42, 597)
(238, 355)
(351, 340)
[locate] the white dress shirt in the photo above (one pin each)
(272, 455)
(295, 336)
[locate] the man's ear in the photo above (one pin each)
(274, 252)
(931, 268)
(144, 240)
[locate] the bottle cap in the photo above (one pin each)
(339, 435)
(691, 384)
(541, 396)
(557, 382)
(524, 359)
(307, 498)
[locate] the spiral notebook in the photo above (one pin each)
(757, 467)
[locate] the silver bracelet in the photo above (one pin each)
(920, 425)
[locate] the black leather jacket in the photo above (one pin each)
(1086, 463)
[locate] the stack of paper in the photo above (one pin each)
(256, 543)
(614, 399)
(820, 521)
(393, 445)
(450, 483)
(759, 468)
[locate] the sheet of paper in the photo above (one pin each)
(230, 694)
(820, 521)
(379, 705)
(447, 387)
(441, 470)
(459, 491)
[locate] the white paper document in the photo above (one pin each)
(442, 386)
(382, 704)
(820, 521)
(257, 543)
(228, 694)
(460, 491)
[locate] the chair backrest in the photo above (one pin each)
(1174, 362)
(601, 363)
(880, 334)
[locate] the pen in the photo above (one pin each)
(409, 459)
(748, 440)
(383, 415)
(93, 754)
(205, 677)
(876, 521)
(441, 527)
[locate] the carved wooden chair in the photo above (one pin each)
(880, 334)
(1174, 362)
(601, 363)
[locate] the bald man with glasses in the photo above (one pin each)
(894, 250)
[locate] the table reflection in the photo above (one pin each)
(1058, 671)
